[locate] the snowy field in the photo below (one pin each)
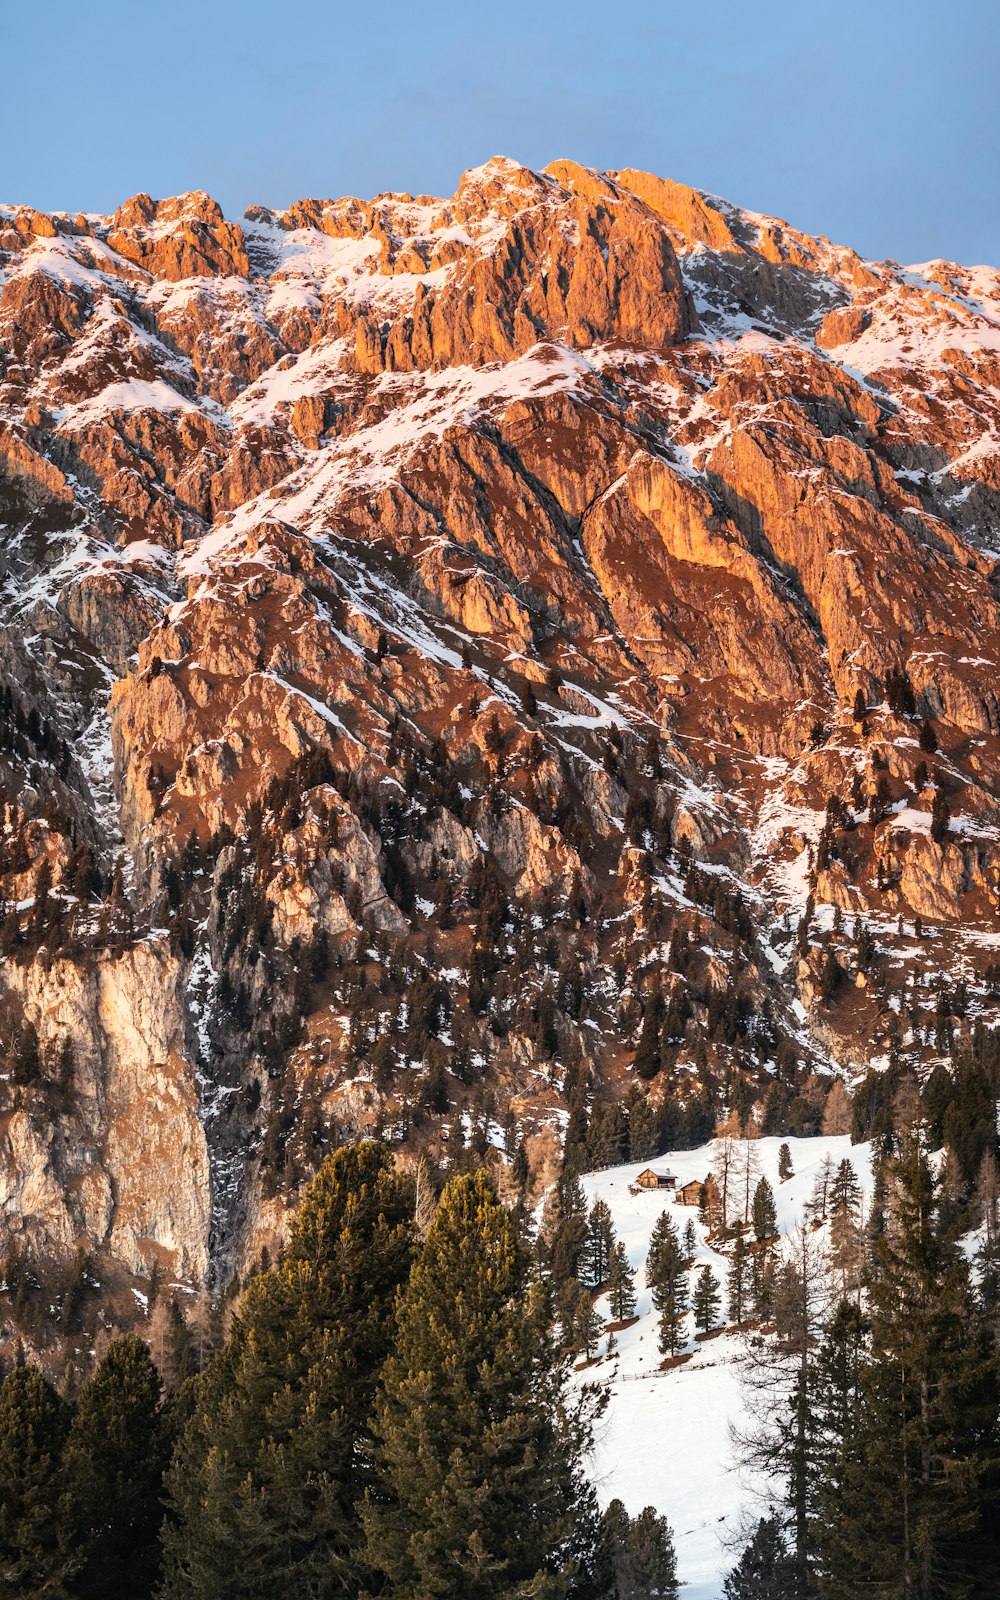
(664, 1440)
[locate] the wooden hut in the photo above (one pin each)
(656, 1180)
(689, 1194)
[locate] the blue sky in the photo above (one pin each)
(875, 123)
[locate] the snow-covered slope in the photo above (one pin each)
(665, 1439)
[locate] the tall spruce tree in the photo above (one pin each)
(479, 1445)
(621, 1285)
(763, 1212)
(666, 1277)
(600, 1242)
(737, 1284)
(665, 1257)
(765, 1570)
(569, 1240)
(836, 1402)
(914, 1486)
(264, 1483)
(643, 1560)
(706, 1300)
(114, 1463)
(37, 1553)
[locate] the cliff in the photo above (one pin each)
(465, 655)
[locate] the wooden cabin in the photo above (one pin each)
(689, 1194)
(656, 1180)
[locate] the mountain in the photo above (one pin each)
(523, 666)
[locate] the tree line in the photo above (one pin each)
(875, 1407)
(390, 1413)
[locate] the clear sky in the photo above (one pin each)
(876, 122)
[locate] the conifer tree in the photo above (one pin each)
(621, 1285)
(846, 1243)
(763, 1212)
(665, 1276)
(706, 1300)
(600, 1243)
(478, 1445)
(643, 1560)
(836, 1401)
(264, 1482)
(673, 1309)
(586, 1326)
(664, 1258)
(914, 1498)
(765, 1570)
(114, 1462)
(37, 1556)
(737, 1289)
(648, 1060)
(845, 1190)
(569, 1240)
(785, 1168)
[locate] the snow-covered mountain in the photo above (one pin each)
(529, 657)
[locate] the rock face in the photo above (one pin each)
(128, 1170)
(578, 543)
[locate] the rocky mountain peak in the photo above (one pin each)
(489, 655)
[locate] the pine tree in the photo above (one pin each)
(673, 1309)
(264, 1482)
(764, 1213)
(836, 1406)
(27, 1060)
(665, 1276)
(917, 1482)
(37, 1556)
(478, 1444)
(706, 1300)
(846, 1244)
(600, 1243)
(644, 1563)
(648, 1060)
(664, 1258)
(570, 1237)
(114, 1462)
(762, 1284)
(586, 1326)
(738, 1284)
(765, 1570)
(785, 1168)
(845, 1190)
(621, 1285)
